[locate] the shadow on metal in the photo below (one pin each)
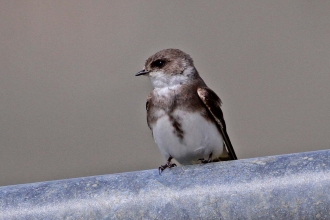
(293, 186)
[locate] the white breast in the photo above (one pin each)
(200, 137)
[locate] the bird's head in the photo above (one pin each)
(169, 67)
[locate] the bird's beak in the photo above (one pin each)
(142, 72)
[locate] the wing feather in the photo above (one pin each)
(147, 108)
(213, 104)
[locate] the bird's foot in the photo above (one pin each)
(209, 160)
(202, 160)
(163, 167)
(167, 165)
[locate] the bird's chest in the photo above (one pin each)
(174, 103)
(186, 136)
(181, 126)
(167, 99)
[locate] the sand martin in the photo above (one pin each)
(184, 115)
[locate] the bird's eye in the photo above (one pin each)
(158, 63)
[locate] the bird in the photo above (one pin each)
(183, 113)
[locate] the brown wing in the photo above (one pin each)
(147, 108)
(213, 104)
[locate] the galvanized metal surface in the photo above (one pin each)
(295, 186)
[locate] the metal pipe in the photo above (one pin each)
(293, 186)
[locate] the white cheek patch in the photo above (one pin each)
(178, 79)
(189, 71)
(157, 74)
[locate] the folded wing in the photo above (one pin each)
(213, 104)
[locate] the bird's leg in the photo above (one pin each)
(208, 160)
(167, 165)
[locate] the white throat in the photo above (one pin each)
(161, 80)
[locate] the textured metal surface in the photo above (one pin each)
(295, 186)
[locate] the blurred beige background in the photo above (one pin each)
(70, 105)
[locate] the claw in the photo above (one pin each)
(167, 165)
(206, 161)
